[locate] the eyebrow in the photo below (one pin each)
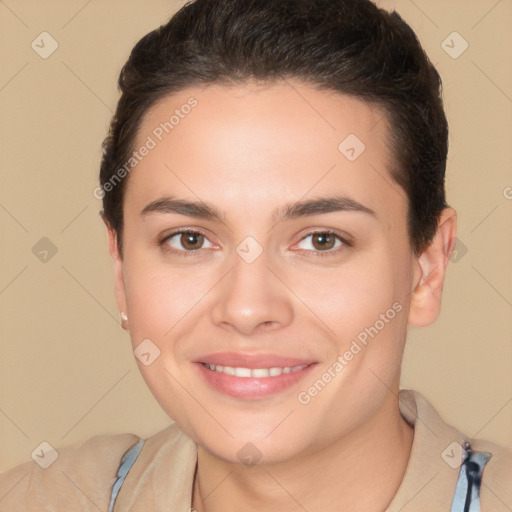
(197, 209)
(320, 206)
(202, 210)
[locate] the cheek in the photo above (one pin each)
(150, 300)
(351, 296)
(160, 295)
(159, 298)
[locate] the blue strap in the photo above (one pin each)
(467, 490)
(126, 464)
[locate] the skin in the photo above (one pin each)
(248, 151)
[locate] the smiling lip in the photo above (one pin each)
(252, 377)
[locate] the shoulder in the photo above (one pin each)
(432, 457)
(161, 477)
(496, 490)
(79, 478)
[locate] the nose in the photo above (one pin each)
(251, 299)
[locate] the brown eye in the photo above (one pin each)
(186, 241)
(321, 241)
(191, 241)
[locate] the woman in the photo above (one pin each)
(273, 192)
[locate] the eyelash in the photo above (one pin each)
(166, 247)
(330, 252)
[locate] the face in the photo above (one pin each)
(267, 260)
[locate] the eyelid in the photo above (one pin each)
(346, 240)
(162, 241)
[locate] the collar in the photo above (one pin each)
(162, 477)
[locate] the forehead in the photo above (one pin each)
(252, 145)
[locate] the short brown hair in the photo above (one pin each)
(348, 46)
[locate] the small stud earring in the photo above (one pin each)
(124, 320)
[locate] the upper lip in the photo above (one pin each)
(252, 361)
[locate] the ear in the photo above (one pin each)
(430, 271)
(117, 259)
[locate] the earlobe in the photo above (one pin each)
(430, 272)
(119, 286)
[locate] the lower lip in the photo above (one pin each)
(252, 388)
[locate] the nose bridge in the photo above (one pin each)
(250, 279)
(250, 296)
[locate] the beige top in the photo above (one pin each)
(161, 478)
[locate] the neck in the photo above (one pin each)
(374, 456)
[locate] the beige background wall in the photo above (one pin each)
(66, 368)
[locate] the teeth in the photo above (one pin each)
(259, 373)
(241, 372)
